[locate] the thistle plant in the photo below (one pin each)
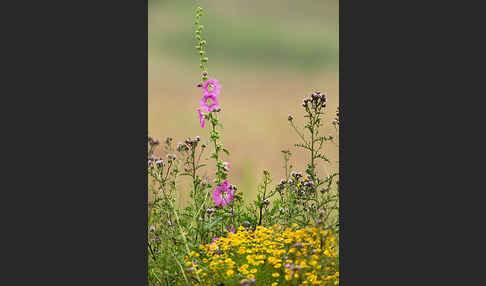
(307, 197)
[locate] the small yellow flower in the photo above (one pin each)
(230, 272)
(276, 274)
(278, 265)
(274, 284)
(188, 263)
(250, 276)
(288, 277)
(253, 270)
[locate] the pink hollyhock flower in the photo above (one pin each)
(223, 195)
(201, 117)
(226, 166)
(209, 102)
(211, 86)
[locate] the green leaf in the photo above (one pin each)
(200, 166)
(208, 226)
(226, 151)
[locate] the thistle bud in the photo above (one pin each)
(322, 212)
(171, 156)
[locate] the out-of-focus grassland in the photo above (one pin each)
(268, 55)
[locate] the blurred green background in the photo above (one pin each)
(268, 55)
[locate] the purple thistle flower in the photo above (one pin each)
(160, 163)
(222, 195)
(232, 230)
(152, 228)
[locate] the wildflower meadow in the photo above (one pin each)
(288, 235)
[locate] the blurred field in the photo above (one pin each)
(268, 55)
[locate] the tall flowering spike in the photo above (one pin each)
(201, 117)
(223, 195)
(209, 102)
(211, 86)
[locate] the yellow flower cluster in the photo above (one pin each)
(269, 256)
